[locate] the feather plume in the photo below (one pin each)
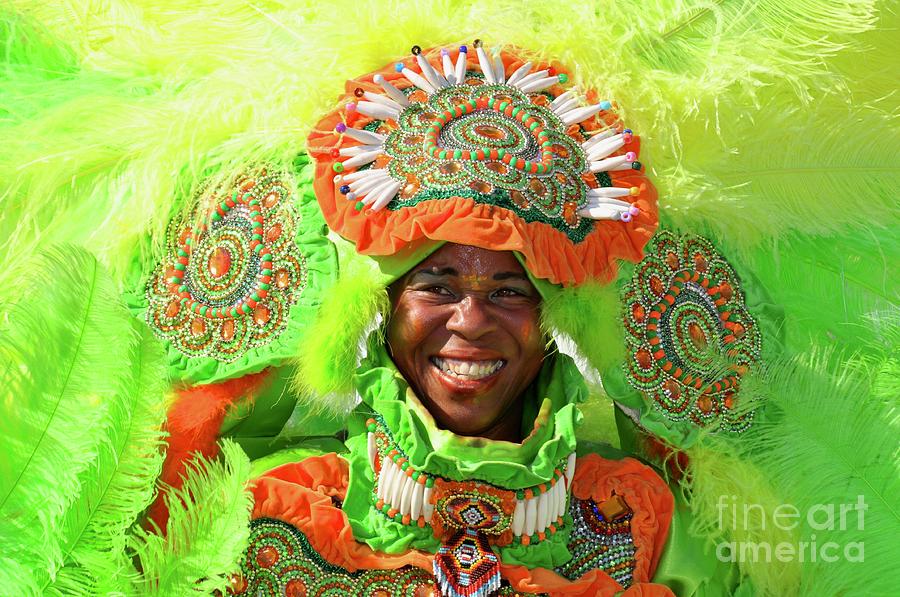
(207, 531)
(64, 387)
(716, 90)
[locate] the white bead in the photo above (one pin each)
(518, 521)
(530, 516)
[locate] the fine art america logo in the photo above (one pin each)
(823, 518)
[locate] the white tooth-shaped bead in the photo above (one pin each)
(540, 85)
(365, 137)
(539, 74)
(561, 99)
(605, 147)
(519, 73)
(385, 196)
(570, 469)
(607, 164)
(427, 506)
(486, 66)
(499, 69)
(560, 498)
(530, 516)
(384, 479)
(596, 138)
(461, 64)
(406, 495)
(543, 515)
(418, 499)
(603, 212)
(518, 522)
(358, 149)
(580, 114)
(376, 110)
(392, 91)
(433, 77)
(396, 486)
(361, 159)
(372, 449)
(418, 80)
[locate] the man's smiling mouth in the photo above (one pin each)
(468, 370)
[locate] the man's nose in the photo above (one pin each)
(471, 318)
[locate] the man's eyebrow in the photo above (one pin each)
(510, 276)
(437, 271)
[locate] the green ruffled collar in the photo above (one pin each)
(549, 422)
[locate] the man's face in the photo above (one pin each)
(465, 333)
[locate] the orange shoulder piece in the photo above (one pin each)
(644, 493)
(301, 494)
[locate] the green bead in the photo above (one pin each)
(246, 309)
(253, 214)
(234, 312)
(256, 237)
(520, 495)
(254, 202)
(264, 286)
(337, 167)
(266, 272)
(429, 482)
(457, 154)
(416, 475)
(515, 111)
(182, 253)
(359, 205)
(255, 297)
(180, 267)
(203, 310)
(501, 153)
(216, 217)
(224, 206)
(562, 78)
(405, 466)
(533, 126)
(234, 195)
(258, 248)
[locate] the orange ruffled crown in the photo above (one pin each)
(489, 151)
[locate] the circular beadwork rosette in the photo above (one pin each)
(233, 276)
(689, 335)
(459, 146)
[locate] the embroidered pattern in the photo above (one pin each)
(515, 142)
(280, 561)
(601, 538)
(408, 496)
(230, 277)
(689, 333)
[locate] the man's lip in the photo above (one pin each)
(459, 385)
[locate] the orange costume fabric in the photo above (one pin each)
(303, 493)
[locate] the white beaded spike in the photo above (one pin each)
(605, 146)
(427, 506)
(436, 79)
(570, 471)
(582, 114)
(370, 195)
(519, 73)
(418, 499)
(539, 84)
(373, 452)
(406, 495)
(530, 516)
(365, 137)
(461, 64)
(565, 107)
(418, 80)
(612, 192)
(382, 197)
(384, 478)
(518, 521)
(486, 66)
(394, 93)
(449, 68)
(528, 79)
(612, 163)
(543, 511)
(376, 110)
(396, 485)
(561, 99)
(359, 149)
(384, 101)
(365, 184)
(499, 69)
(560, 499)
(602, 206)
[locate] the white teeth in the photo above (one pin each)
(427, 506)
(570, 470)
(560, 498)
(530, 516)
(384, 480)
(468, 369)
(396, 485)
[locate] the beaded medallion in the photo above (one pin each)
(689, 333)
(232, 275)
(601, 538)
(280, 562)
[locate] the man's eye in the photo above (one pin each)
(438, 290)
(506, 292)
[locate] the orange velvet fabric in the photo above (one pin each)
(548, 253)
(300, 494)
(193, 424)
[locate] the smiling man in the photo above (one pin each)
(465, 333)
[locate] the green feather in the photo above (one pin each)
(207, 531)
(120, 483)
(61, 370)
